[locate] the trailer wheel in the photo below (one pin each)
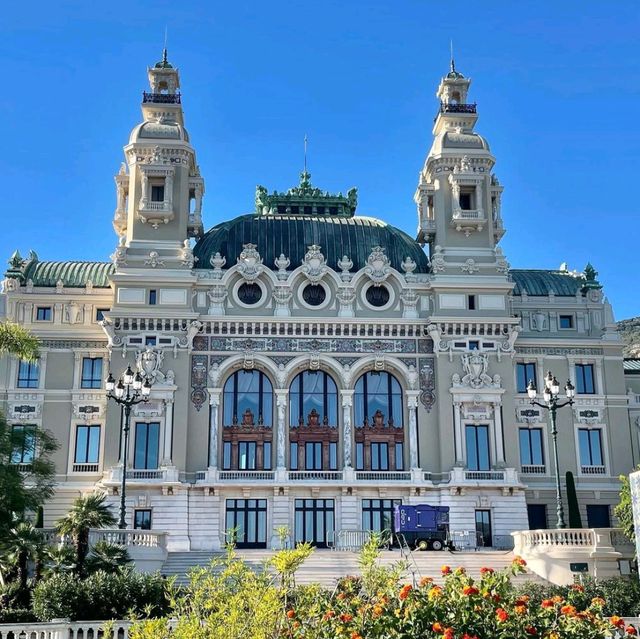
(436, 544)
(422, 544)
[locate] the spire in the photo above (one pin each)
(452, 64)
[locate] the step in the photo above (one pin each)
(326, 566)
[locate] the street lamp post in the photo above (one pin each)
(550, 395)
(127, 392)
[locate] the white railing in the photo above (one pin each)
(351, 539)
(468, 214)
(145, 474)
(251, 475)
(454, 328)
(567, 537)
(156, 206)
(483, 475)
(64, 630)
(533, 469)
(383, 475)
(309, 475)
(85, 468)
(593, 470)
(140, 538)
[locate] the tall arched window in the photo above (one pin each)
(313, 417)
(248, 418)
(379, 432)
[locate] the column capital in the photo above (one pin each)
(214, 396)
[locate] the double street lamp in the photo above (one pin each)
(128, 391)
(552, 403)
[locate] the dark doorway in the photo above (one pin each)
(248, 517)
(537, 516)
(315, 521)
(483, 528)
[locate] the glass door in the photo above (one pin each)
(315, 521)
(483, 528)
(246, 519)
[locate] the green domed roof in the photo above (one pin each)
(291, 235)
(538, 282)
(289, 223)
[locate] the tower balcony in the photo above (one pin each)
(155, 213)
(468, 220)
(457, 108)
(160, 98)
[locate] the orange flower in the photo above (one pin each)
(445, 570)
(342, 595)
(377, 610)
(577, 588)
(557, 599)
(501, 614)
(468, 636)
(424, 581)
(437, 627)
(435, 592)
(570, 611)
(546, 603)
(470, 590)
(329, 615)
(631, 631)
(460, 570)
(519, 561)
(448, 634)
(291, 614)
(356, 635)
(616, 621)
(598, 601)
(404, 592)
(522, 601)
(486, 571)
(530, 630)
(296, 624)
(520, 610)
(345, 617)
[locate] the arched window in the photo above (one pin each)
(248, 419)
(313, 417)
(379, 432)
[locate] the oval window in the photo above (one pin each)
(314, 294)
(249, 294)
(378, 295)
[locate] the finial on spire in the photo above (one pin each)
(164, 49)
(452, 64)
(305, 152)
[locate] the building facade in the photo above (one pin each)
(312, 367)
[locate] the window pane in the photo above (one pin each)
(333, 456)
(226, 456)
(293, 456)
(399, 457)
(359, 456)
(140, 446)
(536, 447)
(266, 455)
(596, 448)
(585, 453)
(384, 456)
(153, 445)
(82, 436)
(375, 456)
(472, 448)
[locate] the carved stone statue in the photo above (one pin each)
(72, 313)
(148, 362)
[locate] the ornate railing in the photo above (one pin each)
(468, 214)
(251, 475)
(308, 475)
(145, 474)
(383, 475)
(533, 469)
(484, 475)
(457, 108)
(161, 98)
(140, 538)
(593, 470)
(85, 468)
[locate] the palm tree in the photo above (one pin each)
(87, 512)
(59, 560)
(23, 543)
(18, 342)
(107, 557)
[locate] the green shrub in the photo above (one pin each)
(100, 596)
(16, 615)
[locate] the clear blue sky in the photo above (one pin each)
(557, 86)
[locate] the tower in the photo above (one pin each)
(159, 188)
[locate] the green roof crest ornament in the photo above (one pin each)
(16, 261)
(591, 278)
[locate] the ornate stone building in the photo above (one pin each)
(312, 367)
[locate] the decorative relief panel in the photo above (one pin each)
(541, 350)
(427, 378)
(198, 380)
(335, 345)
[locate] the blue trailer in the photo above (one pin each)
(424, 527)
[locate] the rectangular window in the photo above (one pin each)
(157, 192)
(247, 455)
(266, 456)
(379, 456)
(377, 514)
(471, 302)
(399, 457)
(147, 442)
(333, 456)
(531, 447)
(87, 449)
(525, 373)
(153, 297)
(226, 456)
(585, 384)
(43, 314)
(23, 449)
(477, 447)
(359, 456)
(483, 527)
(91, 372)
(598, 516)
(474, 345)
(465, 201)
(100, 313)
(28, 375)
(590, 441)
(537, 515)
(142, 519)
(313, 456)
(293, 456)
(566, 321)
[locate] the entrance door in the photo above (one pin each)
(483, 527)
(537, 516)
(377, 514)
(315, 521)
(247, 519)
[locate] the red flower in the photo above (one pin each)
(616, 621)
(356, 635)
(470, 590)
(329, 615)
(530, 630)
(468, 636)
(486, 571)
(404, 592)
(630, 630)
(502, 614)
(577, 588)
(345, 617)
(448, 634)
(445, 570)
(546, 603)
(519, 561)
(570, 611)
(291, 614)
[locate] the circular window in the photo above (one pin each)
(314, 294)
(249, 294)
(377, 295)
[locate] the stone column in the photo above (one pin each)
(214, 404)
(347, 403)
(281, 403)
(497, 422)
(168, 191)
(168, 433)
(457, 429)
(412, 405)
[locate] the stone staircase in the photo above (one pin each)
(325, 566)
